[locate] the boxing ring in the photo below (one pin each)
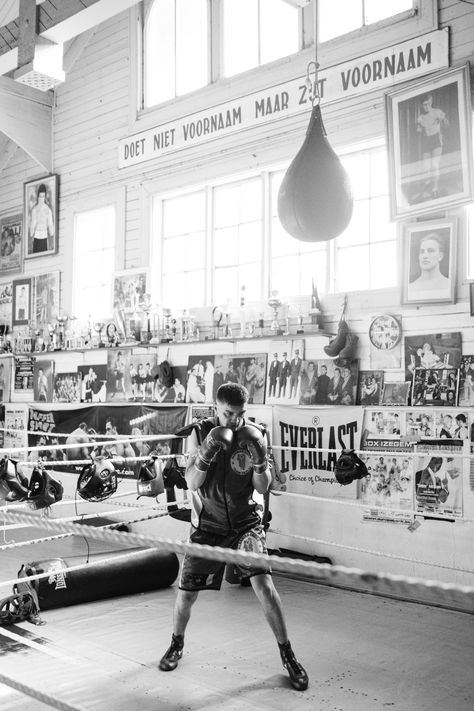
(361, 650)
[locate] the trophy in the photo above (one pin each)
(243, 315)
(98, 328)
(217, 314)
(315, 311)
(275, 303)
(62, 320)
(167, 338)
(146, 307)
(156, 320)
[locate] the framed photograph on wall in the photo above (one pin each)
(40, 212)
(46, 298)
(429, 261)
(11, 243)
(129, 288)
(21, 313)
(471, 298)
(429, 139)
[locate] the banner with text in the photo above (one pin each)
(378, 70)
(303, 434)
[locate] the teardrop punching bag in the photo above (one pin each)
(315, 198)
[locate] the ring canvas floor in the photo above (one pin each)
(362, 652)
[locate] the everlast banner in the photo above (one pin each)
(309, 469)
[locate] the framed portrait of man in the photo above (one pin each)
(41, 216)
(429, 139)
(21, 313)
(429, 261)
(129, 289)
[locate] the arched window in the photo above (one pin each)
(176, 49)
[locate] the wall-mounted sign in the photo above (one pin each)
(378, 70)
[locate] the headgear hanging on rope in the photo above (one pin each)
(43, 489)
(98, 480)
(349, 467)
(13, 479)
(150, 479)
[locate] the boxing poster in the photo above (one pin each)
(15, 438)
(439, 477)
(388, 490)
(6, 369)
(84, 430)
(300, 438)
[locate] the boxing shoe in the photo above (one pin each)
(298, 676)
(338, 342)
(349, 350)
(173, 654)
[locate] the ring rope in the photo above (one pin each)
(21, 544)
(81, 445)
(117, 458)
(457, 595)
(370, 551)
(39, 695)
(387, 453)
(95, 434)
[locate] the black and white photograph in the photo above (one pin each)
(67, 387)
(41, 216)
(6, 306)
(432, 351)
(248, 370)
(285, 376)
(435, 387)
(129, 288)
(395, 393)
(43, 380)
(429, 261)
(22, 297)
(46, 299)
(200, 379)
(93, 380)
(323, 382)
(466, 381)
(430, 143)
(370, 387)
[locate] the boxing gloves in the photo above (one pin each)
(219, 438)
(251, 439)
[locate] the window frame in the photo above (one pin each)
(409, 24)
(89, 203)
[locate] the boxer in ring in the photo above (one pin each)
(222, 474)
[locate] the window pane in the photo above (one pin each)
(226, 205)
(380, 227)
(226, 285)
(250, 276)
(159, 44)
(184, 214)
(194, 288)
(379, 172)
(285, 272)
(352, 269)
(336, 17)
(250, 242)
(191, 45)
(226, 246)
(383, 265)
(470, 241)
(279, 30)
(357, 232)
(358, 170)
(251, 200)
(313, 267)
(376, 10)
(94, 262)
(240, 25)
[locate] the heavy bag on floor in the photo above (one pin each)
(315, 198)
(125, 574)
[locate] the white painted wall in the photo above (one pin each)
(94, 110)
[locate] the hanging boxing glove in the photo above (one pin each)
(251, 439)
(14, 480)
(315, 198)
(218, 439)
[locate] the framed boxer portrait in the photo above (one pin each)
(40, 216)
(429, 139)
(428, 261)
(21, 307)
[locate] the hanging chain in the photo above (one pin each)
(312, 85)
